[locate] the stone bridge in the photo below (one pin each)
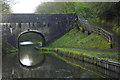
(49, 25)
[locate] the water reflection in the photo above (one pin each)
(54, 67)
(28, 54)
(26, 43)
(94, 68)
(26, 61)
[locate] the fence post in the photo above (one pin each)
(89, 33)
(110, 41)
(98, 31)
(83, 30)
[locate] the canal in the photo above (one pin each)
(32, 63)
(52, 67)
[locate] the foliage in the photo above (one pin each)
(117, 30)
(69, 7)
(50, 7)
(107, 11)
(98, 13)
(82, 9)
(108, 14)
(5, 7)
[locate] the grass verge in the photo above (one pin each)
(76, 39)
(112, 56)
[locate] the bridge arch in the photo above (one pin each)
(31, 31)
(28, 42)
(50, 25)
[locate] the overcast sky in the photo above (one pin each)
(25, 6)
(29, 6)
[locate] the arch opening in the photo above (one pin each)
(28, 42)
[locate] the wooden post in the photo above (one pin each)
(83, 30)
(110, 41)
(89, 33)
(98, 31)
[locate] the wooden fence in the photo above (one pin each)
(87, 27)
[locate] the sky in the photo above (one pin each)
(29, 6)
(25, 6)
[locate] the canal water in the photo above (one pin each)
(31, 63)
(50, 66)
(27, 43)
(39, 65)
(28, 54)
(53, 67)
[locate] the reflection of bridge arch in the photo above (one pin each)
(28, 54)
(32, 31)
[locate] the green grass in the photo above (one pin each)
(77, 39)
(68, 39)
(113, 56)
(77, 42)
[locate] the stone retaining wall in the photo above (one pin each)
(110, 65)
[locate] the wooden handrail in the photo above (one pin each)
(107, 35)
